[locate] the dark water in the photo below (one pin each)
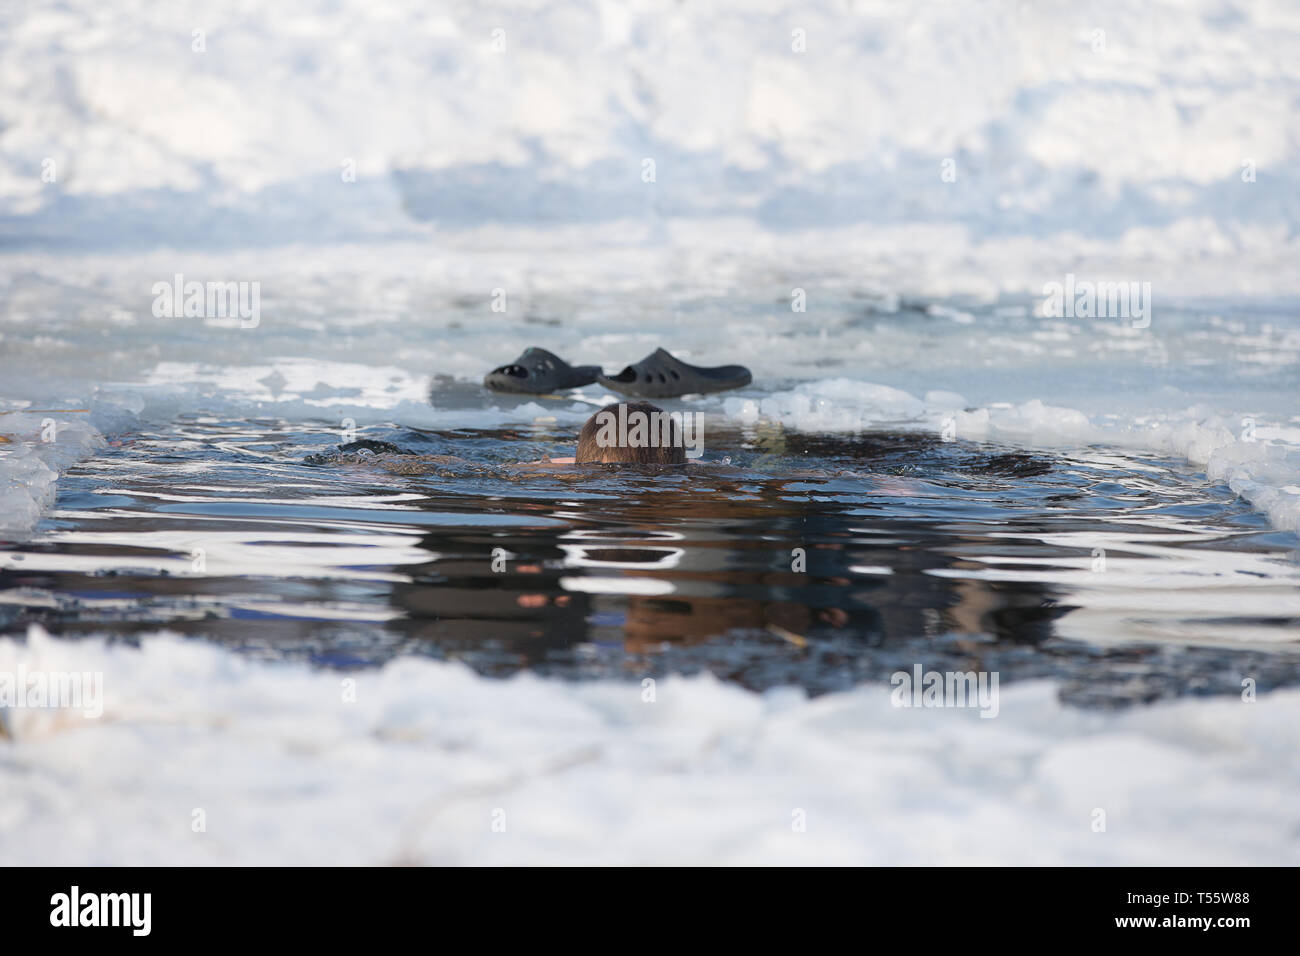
(811, 560)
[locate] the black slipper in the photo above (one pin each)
(659, 375)
(538, 372)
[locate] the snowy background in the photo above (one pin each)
(1126, 125)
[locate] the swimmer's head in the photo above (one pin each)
(634, 433)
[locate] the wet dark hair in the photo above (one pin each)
(667, 450)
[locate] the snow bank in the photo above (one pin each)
(199, 126)
(429, 756)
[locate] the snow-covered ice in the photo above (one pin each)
(429, 757)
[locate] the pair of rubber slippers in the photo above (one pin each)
(658, 375)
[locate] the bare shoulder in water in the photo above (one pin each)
(390, 458)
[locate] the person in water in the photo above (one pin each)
(634, 433)
(629, 433)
